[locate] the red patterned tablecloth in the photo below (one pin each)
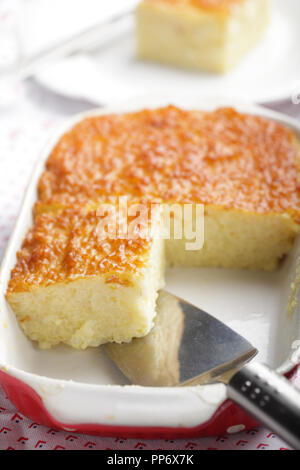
(23, 130)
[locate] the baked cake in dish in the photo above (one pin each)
(72, 285)
(211, 35)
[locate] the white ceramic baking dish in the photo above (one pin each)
(83, 391)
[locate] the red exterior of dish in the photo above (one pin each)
(30, 404)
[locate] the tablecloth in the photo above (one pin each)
(23, 130)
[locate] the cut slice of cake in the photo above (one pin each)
(73, 285)
(211, 35)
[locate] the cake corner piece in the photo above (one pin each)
(73, 288)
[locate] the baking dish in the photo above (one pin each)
(83, 391)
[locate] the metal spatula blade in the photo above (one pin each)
(209, 350)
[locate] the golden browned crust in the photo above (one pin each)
(221, 158)
(68, 245)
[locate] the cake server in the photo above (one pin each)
(211, 352)
(207, 351)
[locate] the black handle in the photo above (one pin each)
(269, 398)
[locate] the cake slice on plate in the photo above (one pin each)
(211, 35)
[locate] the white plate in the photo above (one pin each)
(72, 383)
(271, 71)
